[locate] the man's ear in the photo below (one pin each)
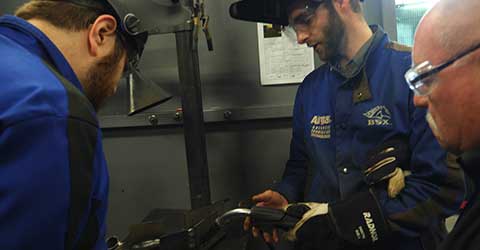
(341, 5)
(102, 36)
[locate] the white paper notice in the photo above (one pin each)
(282, 60)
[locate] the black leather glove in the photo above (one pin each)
(385, 162)
(355, 222)
(317, 234)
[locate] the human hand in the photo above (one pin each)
(385, 162)
(313, 231)
(356, 221)
(270, 199)
(307, 211)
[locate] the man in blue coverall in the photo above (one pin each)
(60, 60)
(344, 110)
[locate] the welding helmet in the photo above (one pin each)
(268, 11)
(133, 31)
(129, 26)
(130, 29)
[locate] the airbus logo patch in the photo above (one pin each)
(378, 116)
(321, 126)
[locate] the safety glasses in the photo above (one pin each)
(420, 78)
(303, 20)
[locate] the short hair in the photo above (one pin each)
(61, 14)
(64, 15)
(355, 5)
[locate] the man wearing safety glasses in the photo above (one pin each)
(356, 132)
(445, 79)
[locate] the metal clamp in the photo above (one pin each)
(201, 21)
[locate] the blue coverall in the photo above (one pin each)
(337, 119)
(53, 173)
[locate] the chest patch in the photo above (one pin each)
(321, 127)
(378, 116)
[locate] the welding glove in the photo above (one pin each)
(384, 163)
(354, 222)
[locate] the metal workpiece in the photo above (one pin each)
(171, 229)
(144, 93)
(158, 17)
(165, 17)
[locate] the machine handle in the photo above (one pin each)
(267, 218)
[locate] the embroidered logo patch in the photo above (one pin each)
(378, 116)
(321, 127)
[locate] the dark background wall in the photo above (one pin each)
(147, 164)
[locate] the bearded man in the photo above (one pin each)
(60, 59)
(355, 132)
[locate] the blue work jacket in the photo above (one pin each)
(338, 119)
(53, 174)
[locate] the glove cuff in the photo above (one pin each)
(359, 220)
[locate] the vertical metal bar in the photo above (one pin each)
(194, 129)
(389, 18)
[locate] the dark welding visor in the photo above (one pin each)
(131, 30)
(266, 11)
(133, 33)
(262, 11)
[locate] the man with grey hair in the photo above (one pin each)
(446, 79)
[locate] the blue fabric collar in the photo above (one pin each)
(36, 42)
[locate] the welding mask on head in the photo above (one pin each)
(266, 11)
(129, 26)
(275, 12)
(133, 33)
(269, 11)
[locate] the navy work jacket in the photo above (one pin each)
(338, 119)
(53, 174)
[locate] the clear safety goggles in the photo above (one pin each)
(421, 78)
(302, 21)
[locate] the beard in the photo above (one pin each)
(335, 37)
(443, 139)
(101, 79)
(432, 123)
(433, 126)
